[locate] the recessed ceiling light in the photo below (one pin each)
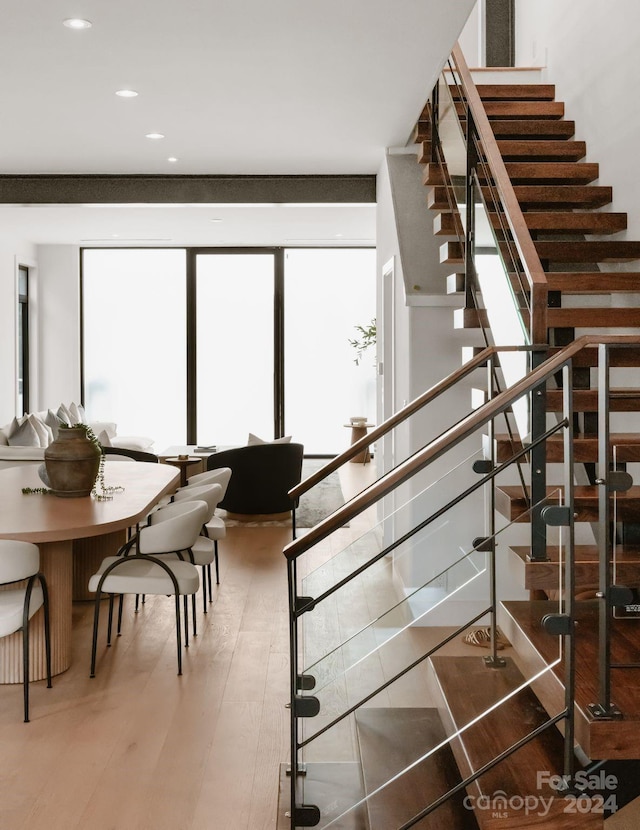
(126, 93)
(77, 23)
(154, 136)
(172, 159)
(215, 220)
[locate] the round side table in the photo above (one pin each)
(183, 464)
(358, 431)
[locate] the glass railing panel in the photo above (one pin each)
(420, 672)
(324, 566)
(453, 144)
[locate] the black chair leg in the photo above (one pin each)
(110, 624)
(178, 634)
(25, 670)
(206, 576)
(120, 605)
(215, 556)
(186, 622)
(96, 620)
(193, 611)
(47, 633)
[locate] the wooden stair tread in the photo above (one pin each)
(593, 282)
(551, 172)
(567, 196)
(554, 221)
(586, 400)
(582, 553)
(585, 447)
(513, 92)
(546, 576)
(629, 356)
(624, 317)
(588, 250)
(519, 109)
(547, 150)
(390, 740)
(599, 739)
(511, 502)
(469, 688)
(538, 129)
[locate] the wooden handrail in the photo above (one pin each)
(401, 415)
(526, 249)
(448, 439)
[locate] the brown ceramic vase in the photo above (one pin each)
(72, 463)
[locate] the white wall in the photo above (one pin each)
(59, 347)
(590, 52)
(13, 252)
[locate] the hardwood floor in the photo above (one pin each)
(138, 747)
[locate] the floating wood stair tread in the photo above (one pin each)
(513, 92)
(451, 253)
(629, 356)
(469, 689)
(391, 740)
(447, 224)
(519, 109)
(588, 251)
(593, 282)
(553, 221)
(563, 196)
(593, 317)
(599, 739)
(586, 400)
(546, 150)
(539, 129)
(437, 199)
(545, 576)
(552, 172)
(585, 447)
(511, 503)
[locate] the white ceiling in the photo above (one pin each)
(273, 87)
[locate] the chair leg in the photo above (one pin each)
(293, 523)
(110, 624)
(96, 620)
(193, 611)
(215, 556)
(120, 605)
(137, 603)
(25, 670)
(206, 576)
(47, 633)
(178, 634)
(186, 622)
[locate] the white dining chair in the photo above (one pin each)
(143, 567)
(205, 549)
(20, 561)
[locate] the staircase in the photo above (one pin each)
(498, 726)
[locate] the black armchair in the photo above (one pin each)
(261, 477)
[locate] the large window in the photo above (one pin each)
(134, 341)
(204, 346)
(23, 339)
(328, 292)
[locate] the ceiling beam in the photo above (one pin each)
(161, 189)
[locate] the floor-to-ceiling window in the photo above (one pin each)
(207, 345)
(23, 339)
(328, 293)
(134, 348)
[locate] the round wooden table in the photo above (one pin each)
(73, 536)
(358, 431)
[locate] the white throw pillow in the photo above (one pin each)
(104, 438)
(23, 434)
(45, 435)
(64, 415)
(77, 413)
(133, 442)
(253, 440)
(109, 427)
(53, 422)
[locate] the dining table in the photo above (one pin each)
(73, 536)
